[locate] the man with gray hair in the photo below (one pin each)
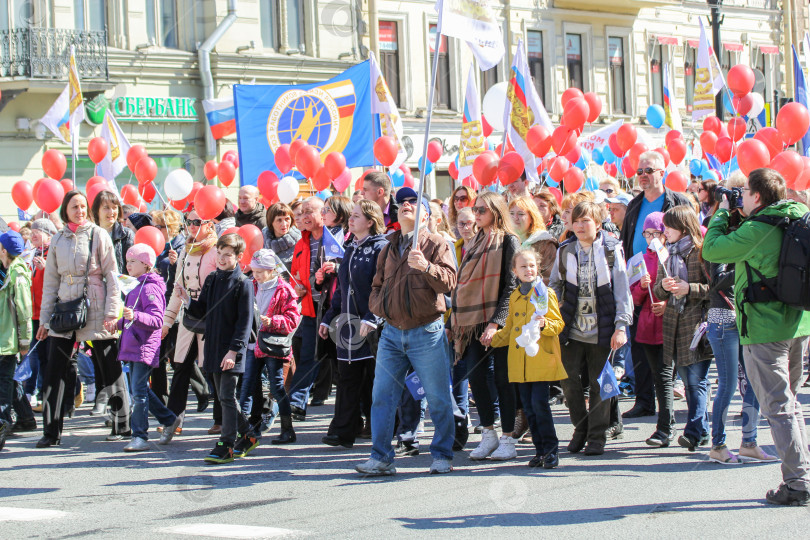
(250, 209)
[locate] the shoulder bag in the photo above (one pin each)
(72, 315)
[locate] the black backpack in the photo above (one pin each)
(791, 285)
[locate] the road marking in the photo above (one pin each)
(223, 530)
(9, 513)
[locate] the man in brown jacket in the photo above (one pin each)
(408, 292)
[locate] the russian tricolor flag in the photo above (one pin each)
(221, 116)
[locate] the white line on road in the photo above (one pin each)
(9, 513)
(223, 530)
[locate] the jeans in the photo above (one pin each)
(461, 384)
(12, 394)
(232, 417)
(423, 348)
(145, 402)
(696, 386)
(534, 396)
(34, 383)
(663, 378)
(643, 384)
(725, 342)
(252, 378)
(306, 368)
(479, 362)
(578, 357)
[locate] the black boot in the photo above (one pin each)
(287, 434)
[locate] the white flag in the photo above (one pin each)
(57, 119)
(472, 142)
(599, 138)
(473, 21)
(117, 147)
(382, 103)
(76, 100)
(636, 267)
(708, 78)
(807, 52)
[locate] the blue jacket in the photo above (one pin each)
(350, 298)
(141, 341)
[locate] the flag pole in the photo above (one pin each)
(431, 90)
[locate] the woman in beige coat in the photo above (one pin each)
(195, 262)
(64, 281)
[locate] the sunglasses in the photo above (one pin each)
(648, 170)
(609, 191)
(480, 210)
(463, 198)
(412, 201)
(194, 222)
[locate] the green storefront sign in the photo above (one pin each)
(155, 109)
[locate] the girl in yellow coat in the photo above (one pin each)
(532, 374)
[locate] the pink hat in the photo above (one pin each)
(142, 253)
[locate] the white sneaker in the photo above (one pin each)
(506, 450)
(373, 467)
(90, 392)
(168, 431)
(488, 444)
(136, 445)
(440, 466)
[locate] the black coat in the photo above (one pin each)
(671, 199)
(226, 302)
(122, 239)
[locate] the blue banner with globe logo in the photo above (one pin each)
(332, 116)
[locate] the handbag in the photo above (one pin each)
(275, 345)
(194, 324)
(71, 315)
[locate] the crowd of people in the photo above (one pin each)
(508, 303)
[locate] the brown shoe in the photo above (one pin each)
(177, 431)
(216, 429)
(521, 424)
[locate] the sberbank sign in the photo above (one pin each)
(155, 109)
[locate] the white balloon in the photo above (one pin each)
(494, 105)
(287, 189)
(759, 104)
(178, 184)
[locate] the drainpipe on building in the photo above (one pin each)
(374, 27)
(790, 82)
(204, 60)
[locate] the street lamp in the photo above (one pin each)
(716, 21)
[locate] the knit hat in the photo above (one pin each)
(655, 220)
(13, 242)
(45, 225)
(408, 193)
(141, 220)
(263, 259)
(142, 253)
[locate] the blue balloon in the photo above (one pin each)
(704, 167)
(591, 184)
(710, 175)
(695, 167)
(608, 154)
(551, 182)
(597, 156)
(428, 169)
(656, 116)
(457, 162)
(325, 194)
(398, 178)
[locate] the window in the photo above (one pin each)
(295, 25)
(617, 75)
(534, 50)
(268, 19)
(489, 78)
(690, 58)
(441, 99)
(90, 14)
(161, 23)
(389, 57)
(657, 75)
(573, 55)
(19, 14)
(282, 25)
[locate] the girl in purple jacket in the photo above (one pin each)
(140, 346)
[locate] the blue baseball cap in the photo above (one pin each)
(409, 193)
(621, 198)
(13, 242)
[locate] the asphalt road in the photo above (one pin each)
(89, 488)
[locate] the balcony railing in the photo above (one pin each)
(44, 53)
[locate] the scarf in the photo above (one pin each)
(676, 266)
(75, 226)
(477, 293)
(201, 246)
(597, 262)
(264, 295)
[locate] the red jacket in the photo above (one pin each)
(299, 269)
(283, 313)
(37, 278)
(650, 329)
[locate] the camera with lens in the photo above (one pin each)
(733, 195)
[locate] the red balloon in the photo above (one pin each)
(713, 124)
(570, 94)
(486, 127)
(344, 180)
(614, 145)
(244, 260)
(627, 169)
(665, 154)
(792, 121)
(676, 181)
(14, 226)
(563, 140)
(49, 195)
(736, 128)
(635, 152)
(803, 181)
(404, 168)
(434, 151)
(97, 149)
(358, 184)
(743, 105)
(471, 183)
(209, 202)
(179, 205)
(135, 154)
(152, 237)
(626, 136)
(510, 168)
(573, 179)
(385, 150)
(672, 135)
(408, 181)
(453, 170)
(67, 184)
(334, 164)
(770, 136)
(233, 157)
(677, 150)
(575, 112)
(789, 164)
(594, 105)
(226, 172)
(130, 195)
(295, 147)
(557, 194)
(282, 158)
(481, 161)
(54, 164)
(22, 193)
(253, 237)
(740, 80)
(142, 207)
(538, 140)
(752, 154)
(96, 180)
(146, 170)
(611, 169)
(575, 153)
(195, 188)
(321, 180)
(724, 149)
(147, 191)
(489, 173)
(708, 139)
(308, 161)
(210, 169)
(559, 166)
(267, 184)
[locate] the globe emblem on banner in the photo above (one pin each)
(607, 388)
(307, 118)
